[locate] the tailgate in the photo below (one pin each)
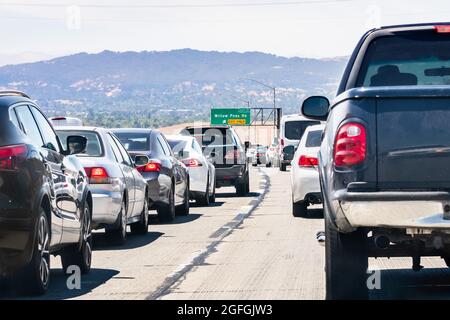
(413, 143)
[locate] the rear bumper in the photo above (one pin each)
(305, 181)
(423, 211)
(106, 206)
(229, 176)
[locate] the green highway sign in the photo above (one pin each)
(231, 116)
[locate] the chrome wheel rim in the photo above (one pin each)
(87, 237)
(43, 249)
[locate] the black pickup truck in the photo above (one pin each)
(384, 161)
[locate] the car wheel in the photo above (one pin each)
(242, 188)
(204, 200)
(254, 164)
(282, 167)
(118, 233)
(166, 212)
(35, 277)
(300, 209)
(346, 263)
(81, 254)
(183, 210)
(268, 165)
(212, 198)
(141, 227)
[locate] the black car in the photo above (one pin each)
(226, 151)
(167, 178)
(384, 158)
(45, 202)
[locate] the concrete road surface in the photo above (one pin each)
(239, 248)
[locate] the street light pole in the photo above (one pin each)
(276, 133)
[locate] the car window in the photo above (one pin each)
(314, 139)
(196, 146)
(29, 125)
(94, 147)
(115, 149)
(165, 145)
(177, 145)
(406, 59)
(123, 152)
(134, 141)
(293, 130)
(49, 135)
(13, 118)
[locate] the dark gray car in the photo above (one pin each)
(167, 178)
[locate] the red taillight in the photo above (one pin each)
(192, 163)
(282, 143)
(306, 161)
(233, 154)
(259, 155)
(350, 145)
(442, 29)
(97, 175)
(10, 156)
(150, 167)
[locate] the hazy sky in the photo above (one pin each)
(312, 28)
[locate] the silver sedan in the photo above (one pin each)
(118, 189)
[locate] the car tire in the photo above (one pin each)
(300, 209)
(166, 212)
(34, 278)
(268, 165)
(118, 233)
(183, 210)
(204, 199)
(346, 263)
(283, 167)
(81, 254)
(212, 198)
(243, 188)
(141, 227)
(254, 164)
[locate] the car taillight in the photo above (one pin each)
(442, 29)
(10, 156)
(350, 145)
(192, 163)
(259, 154)
(282, 143)
(150, 167)
(97, 175)
(233, 154)
(306, 161)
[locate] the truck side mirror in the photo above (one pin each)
(316, 108)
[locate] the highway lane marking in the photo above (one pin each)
(199, 257)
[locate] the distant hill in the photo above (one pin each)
(183, 81)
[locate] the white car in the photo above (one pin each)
(292, 129)
(202, 173)
(118, 189)
(304, 172)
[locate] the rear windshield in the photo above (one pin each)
(293, 130)
(134, 141)
(213, 137)
(407, 59)
(177, 145)
(313, 139)
(94, 146)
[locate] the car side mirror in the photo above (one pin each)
(76, 145)
(289, 150)
(141, 160)
(247, 145)
(316, 108)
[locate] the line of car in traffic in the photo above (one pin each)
(59, 182)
